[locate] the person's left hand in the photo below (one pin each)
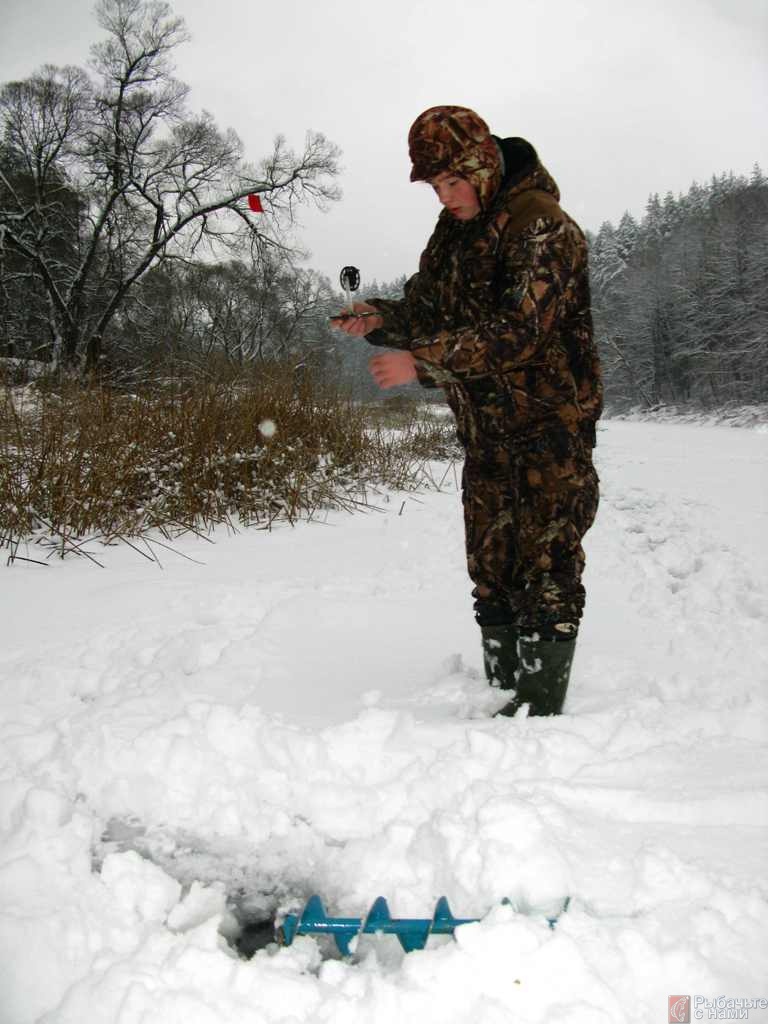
(358, 327)
(391, 369)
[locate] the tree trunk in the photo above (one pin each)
(93, 352)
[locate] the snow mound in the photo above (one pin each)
(184, 749)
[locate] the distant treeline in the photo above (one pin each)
(681, 298)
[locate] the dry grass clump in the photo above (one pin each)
(80, 463)
(403, 448)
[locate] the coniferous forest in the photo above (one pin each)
(680, 299)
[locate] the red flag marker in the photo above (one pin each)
(254, 202)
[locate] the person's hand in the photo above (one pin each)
(391, 369)
(358, 326)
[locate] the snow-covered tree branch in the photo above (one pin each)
(106, 173)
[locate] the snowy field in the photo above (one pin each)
(303, 711)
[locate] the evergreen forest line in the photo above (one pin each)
(680, 299)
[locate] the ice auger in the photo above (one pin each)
(411, 932)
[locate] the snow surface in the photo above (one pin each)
(303, 711)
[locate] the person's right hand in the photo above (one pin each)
(359, 326)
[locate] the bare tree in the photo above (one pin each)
(238, 311)
(107, 174)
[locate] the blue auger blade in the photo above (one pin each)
(378, 916)
(552, 921)
(295, 924)
(411, 933)
(313, 915)
(443, 921)
(315, 921)
(343, 931)
(286, 933)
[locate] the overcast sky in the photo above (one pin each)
(621, 99)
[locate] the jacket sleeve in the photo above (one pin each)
(396, 332)
(539, 268)
(397, 313)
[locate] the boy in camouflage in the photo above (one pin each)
(498, 316)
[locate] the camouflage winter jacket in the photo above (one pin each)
(499, 315)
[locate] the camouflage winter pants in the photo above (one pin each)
(525, 512)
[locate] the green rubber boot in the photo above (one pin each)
(500, 656)
(537, 670)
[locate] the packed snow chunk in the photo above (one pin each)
(46, 851)
(201, 904)
(513, 962)
(46, 810)
(139, 887)
(182, 979)
(521, 852)
(267, 428)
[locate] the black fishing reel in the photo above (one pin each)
(349, 279)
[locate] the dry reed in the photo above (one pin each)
(81, 463)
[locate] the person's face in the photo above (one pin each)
(457, 195)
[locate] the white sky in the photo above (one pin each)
(620, 98)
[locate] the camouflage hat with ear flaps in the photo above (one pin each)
(455, 139)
